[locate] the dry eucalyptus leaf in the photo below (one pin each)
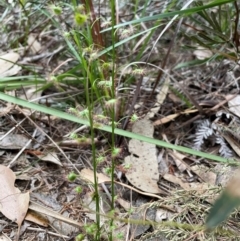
(171, 117)
(4, 238)
(61, 227)
(176, 180)
(90, 204)
(202, 53)
(161, 96)
(205, 174)
(4, 110)
(13, 71)
(233, 143)
(37, 218)
(125, 204)
(163, 215)
(178, 159)
(7, 61)
(28, 94)
(142, 163)
(13, 141)
(200, 188)
(203, 189)
(234, 105)
(14, 204)
(89, 176)
(48, 212)
(33, 44)
(50, 157)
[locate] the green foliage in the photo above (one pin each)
(225, 204)
(221, 209)
(213, 25)
(213, 29)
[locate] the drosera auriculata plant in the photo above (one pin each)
(96, 71)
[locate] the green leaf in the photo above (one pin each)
(222, 209)
(215, 21)
(226, 203)
(192, 63)
(199, 41)
(207, 38)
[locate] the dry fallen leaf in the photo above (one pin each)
(161, 96)
(234, 105)
(202, 53)
(13, 71)
(13, 203)
(50, 157)
(171, 117)
(234, 143)
(163, 214)
(7, 61)
(205, 174)
(33, 44)
(125, 204)
(178, 159)
(199, 188)
(142, 164)
(48, 212)
(14, 141)
(4, 110)
(37, 218)
(29, 93)
(89, 205)
(176, 180)
(4, 238)
(89, 176)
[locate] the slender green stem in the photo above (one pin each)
(89, 100)
(113, 13)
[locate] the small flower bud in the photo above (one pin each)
(110, 103)
(80, 237)
(72, 176)
(78, 190)
(80, 19)
(139, 72)
(56, 9)
(116, 152)
(134, 118)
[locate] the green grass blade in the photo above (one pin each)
(222, 209)
(226, 203)
(120, 132)
(174, 13)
